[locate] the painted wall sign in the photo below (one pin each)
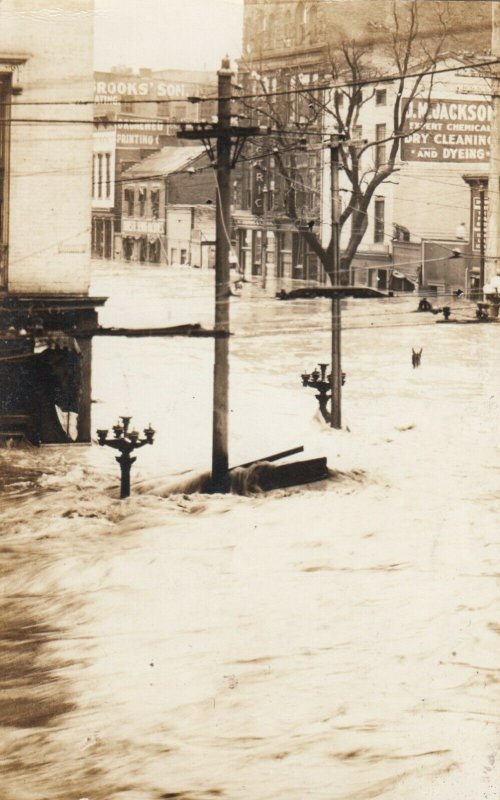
(258, 195)
(133, 133)
(135, 225)
(448, 131)
(113, 90)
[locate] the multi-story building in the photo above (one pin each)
(135, 116)
(168, 208)
(292, 46)
(45, 218)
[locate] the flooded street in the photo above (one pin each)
(335, 642)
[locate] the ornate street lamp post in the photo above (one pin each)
(322, 383)
(125, 441)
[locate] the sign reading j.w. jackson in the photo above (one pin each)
(447, 130)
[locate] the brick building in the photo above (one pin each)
(136, 114)
(45, 220)
(168, 208)
(289, 46)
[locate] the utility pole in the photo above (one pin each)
(493, 231)
(223, 159)
(220, 411)
(336, 374)
(482, 240)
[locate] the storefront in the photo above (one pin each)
(142, 249)
(102, 236)
(274, 252)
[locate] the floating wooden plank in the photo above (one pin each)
(274, 457)
(263, 477)
(365, 292)
(195, 331)
(296, 473)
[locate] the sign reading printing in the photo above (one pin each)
(447, 130)
(132, 132)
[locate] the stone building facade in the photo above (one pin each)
(290, 46)
(45, 220)
(136, 114)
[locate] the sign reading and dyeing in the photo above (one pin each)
(447, 130)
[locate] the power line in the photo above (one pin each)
(361, 82)
(277, 93)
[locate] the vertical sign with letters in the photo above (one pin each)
(258, 194)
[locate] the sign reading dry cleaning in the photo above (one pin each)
(447, 130)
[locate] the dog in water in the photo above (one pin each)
(415, 357)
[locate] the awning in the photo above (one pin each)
(401, 276)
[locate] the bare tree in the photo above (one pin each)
(299, 113)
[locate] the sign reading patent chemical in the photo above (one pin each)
(447, 130)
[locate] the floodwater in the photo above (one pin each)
(335, 642)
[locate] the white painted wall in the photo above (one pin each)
(179, 226)
(430, 198)
(51, 164)
(103, 191)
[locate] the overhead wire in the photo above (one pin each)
(259, 95)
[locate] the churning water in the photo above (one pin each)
(335, 642)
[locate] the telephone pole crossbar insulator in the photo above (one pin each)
(215, 132)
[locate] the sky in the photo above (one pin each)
(173, 34)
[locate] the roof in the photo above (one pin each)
(165, 161)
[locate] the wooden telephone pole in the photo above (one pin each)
(336, 374)
(492, 266)
(223, 160)
(220, 410)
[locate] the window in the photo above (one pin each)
(178, 111)
(94, 176)
(271, 30)
(300, 15)
(108, 174)
(155, 204)
(129, 201)
(357, 133)
(99, 175)
(380, 135)
(381, 97)
(4, 158)
(142, 202)
(183, 256)
(378, 234)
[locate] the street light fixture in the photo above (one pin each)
(125, 441)
(320, 381)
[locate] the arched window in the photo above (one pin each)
(299, 23)
(288, 22)
(271, 30)
(313, 21)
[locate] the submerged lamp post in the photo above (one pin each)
(322, 383)
(125, 441)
